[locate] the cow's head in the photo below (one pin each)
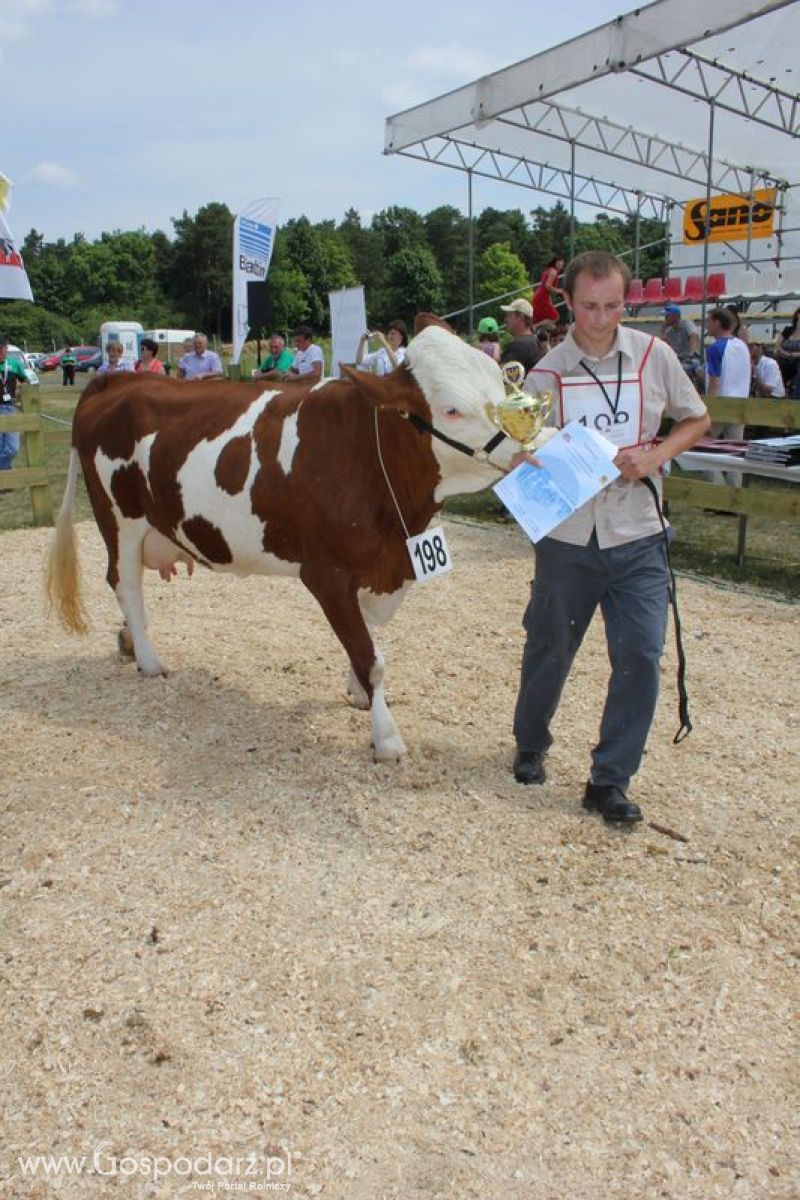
(458, 383)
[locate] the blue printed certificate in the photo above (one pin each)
(576, 464)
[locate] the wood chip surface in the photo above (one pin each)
(225, 931)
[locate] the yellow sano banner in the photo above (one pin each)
(732, 217)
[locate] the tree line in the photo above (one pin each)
(407, 262)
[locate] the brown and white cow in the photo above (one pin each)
(282, 480)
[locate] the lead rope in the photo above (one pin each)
(683, 698)
(386, 477)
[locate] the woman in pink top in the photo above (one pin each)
(547, 291)
(149, 361)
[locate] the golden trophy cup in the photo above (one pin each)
(520, 415)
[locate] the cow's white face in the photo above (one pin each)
(458, 382)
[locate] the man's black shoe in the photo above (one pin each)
(529, 767)
(612, 803)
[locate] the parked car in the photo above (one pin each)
(90, 364)
(33, 358)
(52, 361)
(19, 355)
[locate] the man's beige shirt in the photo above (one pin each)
(624, 511)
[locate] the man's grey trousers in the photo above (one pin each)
(630, 584)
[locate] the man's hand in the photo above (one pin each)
(523, 456)
(637, 462)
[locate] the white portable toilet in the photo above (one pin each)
(129, 333)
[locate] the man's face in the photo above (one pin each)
(672, 318)
(755, 354)
(300, 342)
(713, 326)
(597, 305)
(276, 346)
(199, 343)
(515, 323)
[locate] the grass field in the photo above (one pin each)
(705, 544)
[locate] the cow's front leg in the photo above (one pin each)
(128, 589)
(336, 595)
(376, 610)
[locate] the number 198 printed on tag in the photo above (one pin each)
(430, 554)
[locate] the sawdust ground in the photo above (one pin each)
(226, 931)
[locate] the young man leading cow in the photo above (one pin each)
(611, 552)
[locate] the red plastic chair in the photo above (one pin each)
(694, 289)
(673, 289)
(654, 291)
(716, 286)
(635, 292)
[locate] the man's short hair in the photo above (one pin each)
(303, 331)
(279, 336)
(149, 344)
(725, 318)
(597, 263)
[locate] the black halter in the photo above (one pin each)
(482, 455)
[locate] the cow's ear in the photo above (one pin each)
(424, 319)
(395, 390)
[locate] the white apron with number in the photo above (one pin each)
(581, 399)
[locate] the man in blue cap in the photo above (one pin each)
(683, 336)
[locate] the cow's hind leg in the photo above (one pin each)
(128, 589)
(337, 597)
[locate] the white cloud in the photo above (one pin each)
(435, 69)
(52, 174)
(460, 64)
(93, 8)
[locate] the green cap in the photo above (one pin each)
(488, 325)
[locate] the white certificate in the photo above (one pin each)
(576, 464)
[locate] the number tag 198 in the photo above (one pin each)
(429, 553)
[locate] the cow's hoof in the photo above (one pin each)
(390, 750)
(125, 643)
(153, 670)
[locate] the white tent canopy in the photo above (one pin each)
(623, 116)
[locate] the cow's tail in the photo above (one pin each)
(63, 568)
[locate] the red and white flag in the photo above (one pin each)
(14, 283)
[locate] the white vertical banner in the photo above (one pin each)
(348, 322)
(253, 239)
(14, 283)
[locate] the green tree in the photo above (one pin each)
(399, 229)
(366, 252)
(413, 284)
(500, 271)
(200, 276)
(447, 231)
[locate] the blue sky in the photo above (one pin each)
(120, 115)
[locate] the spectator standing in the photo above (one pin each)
(309, 361)
(149, 363)
(202, 363)
(68, 363)
(610, 553)
(277, 362)
(113, 363)
(728, 373)
(767, 378)
(548, 291)
(683, 336)
(489, 337)
(787, 354)
(12, 376)
(391, 353)
(523, 347)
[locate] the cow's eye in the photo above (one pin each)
(452, 412)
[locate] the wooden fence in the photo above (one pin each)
(33, 474)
